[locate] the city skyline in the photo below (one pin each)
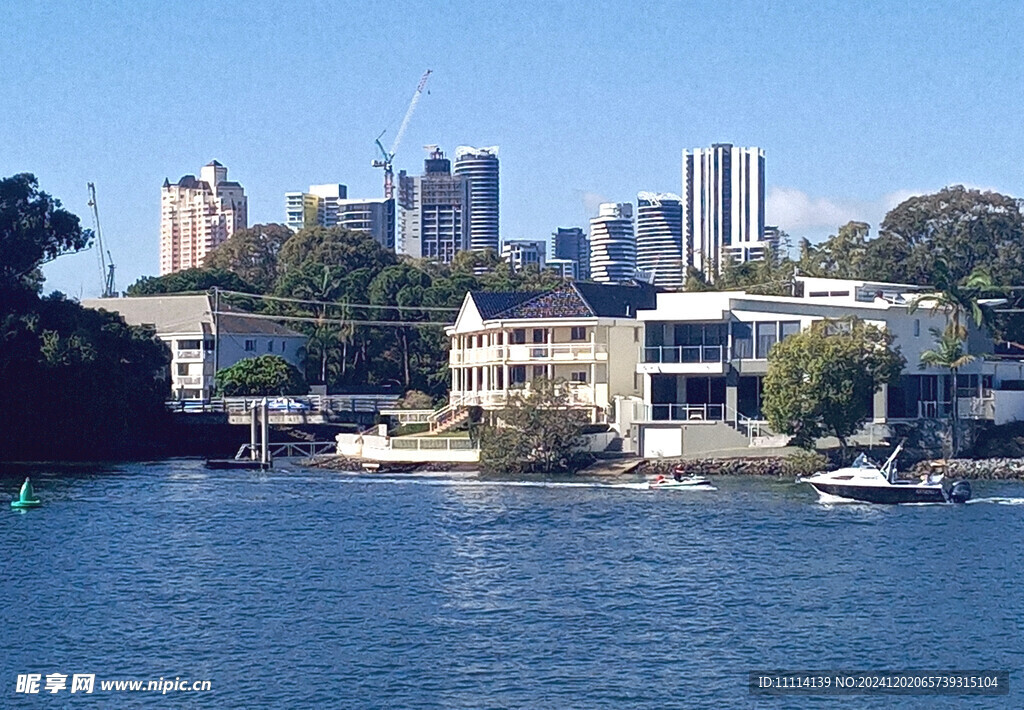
(855, 107)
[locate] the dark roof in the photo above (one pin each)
(617, 300)
(228, 183)
(569, 300)
(189, 181)
(215, 164)
(492, 304)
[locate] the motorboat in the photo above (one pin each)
(680, 482)
(865, 481)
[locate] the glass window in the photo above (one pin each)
(270, 346)
(788, 328)
(189, 344)
(742, 341)
(519, 336)
(767, 336)
(517, 375)
(578, 333)
(250, 346)
(715, 334)
(539, 371)
(578, 376)
(182, 368)
(540, 335)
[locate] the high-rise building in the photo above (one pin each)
(659, 239)
(197, 215)
(723, 193)
(520, 253)
(329, 206)
(571, 243)
(434, 210)
(612, 244)
(479, 166)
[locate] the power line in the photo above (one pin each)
(338, 321)
(340, 304)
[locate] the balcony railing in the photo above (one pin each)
(189, 381)
(683, 353)
(576, 397)
(686, 412)
(189, 355)
(530, 352)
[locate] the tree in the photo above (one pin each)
(34, 229)
(949, 353)
(965, 229)
(960, 300)
(538, 431)
(838, 257)
(252, 254)
(821, 381)
(189, 280)
(335, 247)
(261, 375)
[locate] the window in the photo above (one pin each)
(788, 328)
(250, 346)
(579, 377)
(270, 346)
(539, 371)
(540, 335)
(498, 337)
(182, 369)
(189, 344)
(517, 375)
(742, 341)
(208, 345)
(578, 333)
(917, 327)
(518, 336)
(767, 336)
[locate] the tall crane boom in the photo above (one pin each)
(389, 156)
(106, 262)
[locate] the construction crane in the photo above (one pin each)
(106, 261)
(388, 156)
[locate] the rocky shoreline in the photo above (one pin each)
(975, 469)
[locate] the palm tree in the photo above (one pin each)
(959, 299)
(949, 353)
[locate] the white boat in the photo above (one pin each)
(866, 482)
(689, 483)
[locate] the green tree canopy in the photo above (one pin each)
(34, 229)
(263, 375)
(538, 431)
(189, 280)
(252, 254)
(964, 228)
(334, 247)
(821, 381)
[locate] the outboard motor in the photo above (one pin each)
(960, 492)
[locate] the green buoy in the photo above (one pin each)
(28, 497)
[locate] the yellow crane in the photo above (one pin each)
(388, 156)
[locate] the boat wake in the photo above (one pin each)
(997, 500)
(471, 482)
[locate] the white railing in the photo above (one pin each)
(529, 352)
(686, 412)
(577, 396)
(189, 381)
(189, 355)
(431, 443)
(315, 404)
(409, 416)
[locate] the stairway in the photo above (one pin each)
(447, 417)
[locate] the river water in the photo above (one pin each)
(307, 588)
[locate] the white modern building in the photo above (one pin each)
(202, 341)
(198, 215)
(659, 240)
(724, 199)
(434, 210)
(571, 244)
(521, 253)
(329, 206)
(479, 167)
(613, 244)
(705, 355)
(565, 268)
(584, 334)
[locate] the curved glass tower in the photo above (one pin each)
(479, 167)
(612, 244)
(659, 239)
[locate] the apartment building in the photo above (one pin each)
(583, 333)
(202, 341)
(198, 215)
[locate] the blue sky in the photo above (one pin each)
(856, 104)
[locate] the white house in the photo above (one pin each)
(202, 342)
(583, 333)
(704, 356)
